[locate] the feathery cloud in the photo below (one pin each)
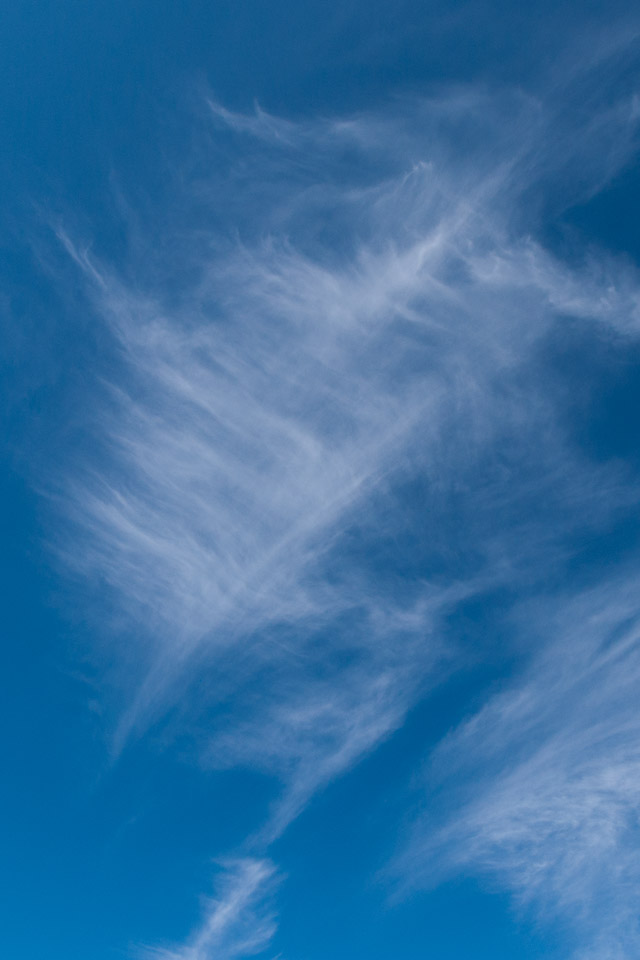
(275, 409)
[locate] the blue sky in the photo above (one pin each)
(320, 463)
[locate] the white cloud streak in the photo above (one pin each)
(239, 921)
(258, 413)
(542, 785)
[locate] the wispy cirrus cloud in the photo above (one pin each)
(370, 327)
(239, 921)
(542, 783)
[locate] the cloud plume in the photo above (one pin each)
(357, 363)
